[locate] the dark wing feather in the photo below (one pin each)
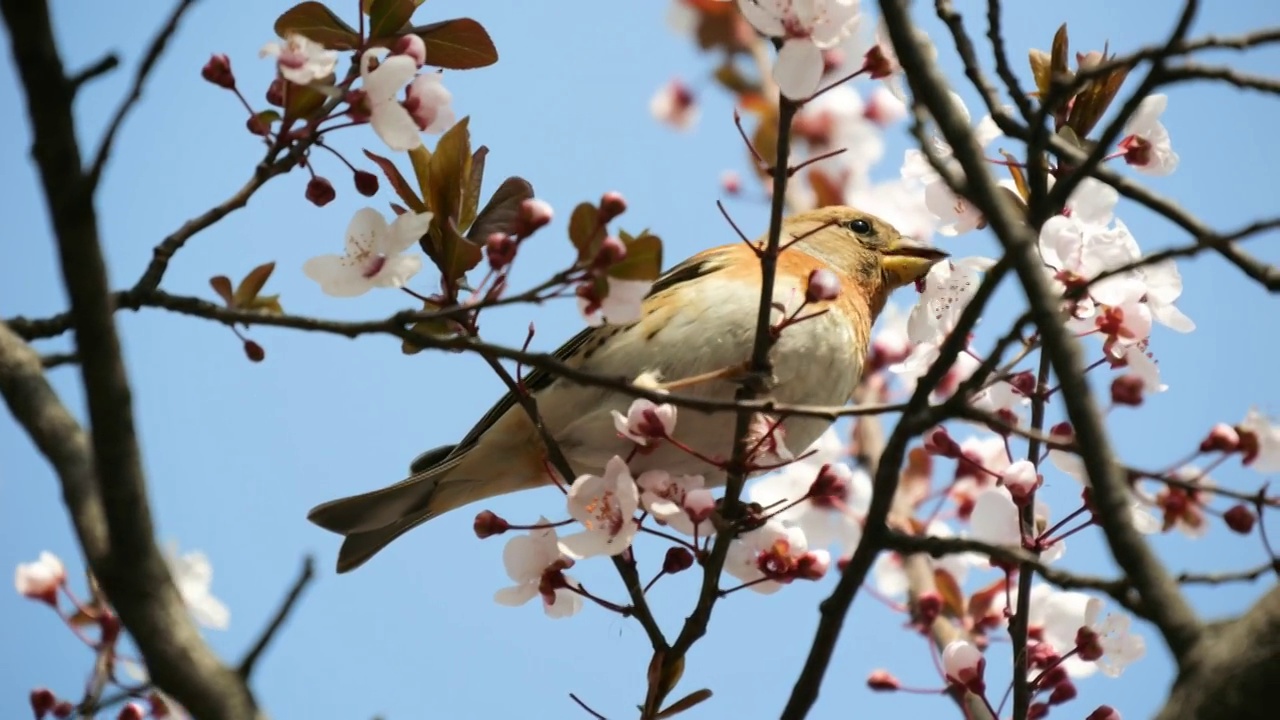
(538, 379)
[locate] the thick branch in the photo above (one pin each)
(1170, 610)
(130, 567)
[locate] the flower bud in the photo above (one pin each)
(730, 182)
(1037, 710)
(1240, 519)
(884, 108)
(218, 72)
(882, 681)
(131, 711)
(831, 487)
(64, 709)
(501, 249)
(1088, 644)
(533, 214)
(488, 524)
(699, 504)
(823, 285)
(1063, 429)
(813, 565)
(109, 625)
(939, 442)
(963, 664)
(254, 351)
(413, 47)
(1021, 480)
(877, 63)
(275, 92)
(611, 252)
(1221, 437)
(42, 701)
(1062, 692)
(320, 191)
(612, 204)
(1024, 382)
(928, 607)
(1127, 390)
(678, 559)
(1104, 712)
(366, 182)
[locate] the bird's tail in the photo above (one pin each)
(370, 521)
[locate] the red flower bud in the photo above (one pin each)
(677, 560)
(1062, 692)
(413, 47)
(1127, 390)
(1104, 712)
(275, 92)
(612, 204)
(488, 524)
(882, 681)
(42, 701)
(320, 191)
(218, 72)
(1221, 437)
(254, 351)
(501, 249)
(1240, 519)
(533, 214)
(366, 183)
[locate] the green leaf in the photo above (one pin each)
(1061, 46)
(387, 17)
(460, 44)
(1040, 71)
(643, 260)
(398, 183)
(585, 231)
(267, 117)
(471, 190)
(499, 214)
(316, 22)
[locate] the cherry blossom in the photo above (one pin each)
(899, 203)
(667, 498)
(300, 59)
(948, 288)
(1021, 479)
(674, 104)
(41, 579)
(884, 108)
(193, 575)
(1071, 464)
(374, 255)
(427, 102)
(1146, 143)
(645, 421)
(620, 307)
(833, 497)
(389, 118)
(1260, 436)
(808, 27)
(890, 577)
(1119, 648)
(773, 555)
(606, 506)
(995, 520)
(535, 563)
(836, 120)
(1137, 361)
(956, 215)
(1058, 615)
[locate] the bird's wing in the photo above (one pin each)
(704, 263)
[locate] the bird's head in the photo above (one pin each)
(869, 250)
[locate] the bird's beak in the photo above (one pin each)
(905, 262)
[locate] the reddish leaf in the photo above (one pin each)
(460, 44)
(585, 231)
(253, 283)
(301, 101)
(457, 254)
(499, 214)
(386, 17)
(314, 21)
(471, 189)
(952, 597)
(221, 284)
(398, 183)
(684, 703)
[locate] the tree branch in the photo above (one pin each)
(111, 498)
(291, 599)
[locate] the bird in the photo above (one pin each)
(699, 317)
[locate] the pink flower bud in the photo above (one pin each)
(366, 182)
(320, 191)
(1104, 712)
(823, 285)
(1127, 390)
(1037, 710)
(612, 204)
(413, 47)
(939, 442)
(42, 701)
(611, 252)
(218, 72)
(878, 63)
(699, 504)
(41, 579)
(1021, 479)
(131, 711)
(1062, 692)
(1088, 644)
(1222, 437)
(501, 249)
(257, 126)
(831, 487)
(1024, 382)
(357, 105)
(1240, 519)
(884, 108)
(254, 351)
(882, 681)
(928, 607)
(963, 664)
(533, 214)
(730, 182)
(678, 559)
(813, 565)
(488, 524)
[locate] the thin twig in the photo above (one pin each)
(277, 621)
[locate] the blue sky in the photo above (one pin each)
(236, 453)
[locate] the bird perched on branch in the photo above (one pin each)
(699, 319)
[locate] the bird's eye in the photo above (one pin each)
(861, 227)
